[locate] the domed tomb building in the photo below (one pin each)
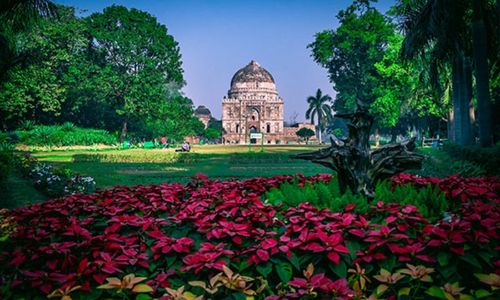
(252, 105)
(203, 114)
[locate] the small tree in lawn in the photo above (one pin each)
(305, 134)
(212, 134)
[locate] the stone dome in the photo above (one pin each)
(252, 73)
(202, 111)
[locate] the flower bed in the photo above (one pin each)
(54, 182)
(219, 240)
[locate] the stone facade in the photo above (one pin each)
(253, 105)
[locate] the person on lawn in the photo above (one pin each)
(164, 142)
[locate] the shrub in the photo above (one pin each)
(319, 194)
(152, 157)
(65, 135)
(429, 200)
(6, 162)
(467, 169)
(54, 182)
(486, 158)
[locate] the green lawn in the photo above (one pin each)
(110, 167)
(134, 166)
(19, 192)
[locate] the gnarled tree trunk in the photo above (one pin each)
(358, 167)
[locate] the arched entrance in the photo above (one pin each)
(251, 130)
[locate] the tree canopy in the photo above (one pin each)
(118, 69)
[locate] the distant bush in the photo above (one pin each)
(467, 169)
(6, 162)
(486, 158)
(152, 157)
(65, 135)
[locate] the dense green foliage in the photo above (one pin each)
(476, 158)
(417, 82)
(350, 53)
(453, 34)
(118, 70)
(429, 200)
(64, 135)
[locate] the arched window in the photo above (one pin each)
(268, 128)
(237, 128)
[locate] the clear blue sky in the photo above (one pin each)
(218, 37)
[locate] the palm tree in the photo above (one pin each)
(480, 50)
(437, 26)
(319, 105)
(440, 28)
(18, 16)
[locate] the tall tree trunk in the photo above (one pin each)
(461, 125)
(319, 128)
(480, 53)
(124, 130)
(467, 102)
(449, 126)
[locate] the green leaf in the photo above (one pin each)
(239, 296)
(389, 263)
(243, 265)
(482, 293)
(471, 260)
(340, 269)
(380, 290)
(404, 292)
(265, 269)
(435, 292)
(443, 258)
(143, 297)
(142, 288)
(353, 248)
(152, 267)
(295, 261)
(284, 271)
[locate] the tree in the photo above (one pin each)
(404, 94)
(351, 52)
(357, 44)
(438, 27)
(305, 133)
(37, 88)
(17, 16)
(480, 52)
(212, 134)
(319, 106)
(138, 61)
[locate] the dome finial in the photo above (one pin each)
(253, 62)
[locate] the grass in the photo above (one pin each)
(19, 192)
(217, 161)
